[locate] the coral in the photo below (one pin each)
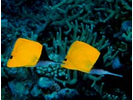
(111, 11)
(67, 93)
(35, 92)
(68, 80)
(3, 74)
(128, 35)
(104, 24)
(85, 33)
(115, 95)
(125, 31)
(48, 84)
(64, 94)
(51, 71)
(94, 78)
(18, 74)
(109, 56)
(5, 93)
(18, 90)
(86, 36)
(116, 63)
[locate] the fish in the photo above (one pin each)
(27, 53)
(81, 56)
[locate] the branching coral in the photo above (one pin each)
(95, 79)
(81, 32)
(112, 11)
(128, 35)
(109, 56)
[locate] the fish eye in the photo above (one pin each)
(11, 57)
(65, 59)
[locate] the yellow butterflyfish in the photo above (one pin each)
(81, 56)
(28, 53)
(25, 53)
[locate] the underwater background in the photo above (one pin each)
(104, 24)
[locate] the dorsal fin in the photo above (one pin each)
(44, 55)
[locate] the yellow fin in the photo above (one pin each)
(25, 53)
(81, 56)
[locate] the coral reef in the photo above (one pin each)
(64, 94)
(104, 24)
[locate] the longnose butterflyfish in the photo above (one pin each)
(81, 56)
(27, 53)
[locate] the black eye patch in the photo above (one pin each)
(11, 57)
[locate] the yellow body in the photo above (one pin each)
(25, 53)
(81, 56)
